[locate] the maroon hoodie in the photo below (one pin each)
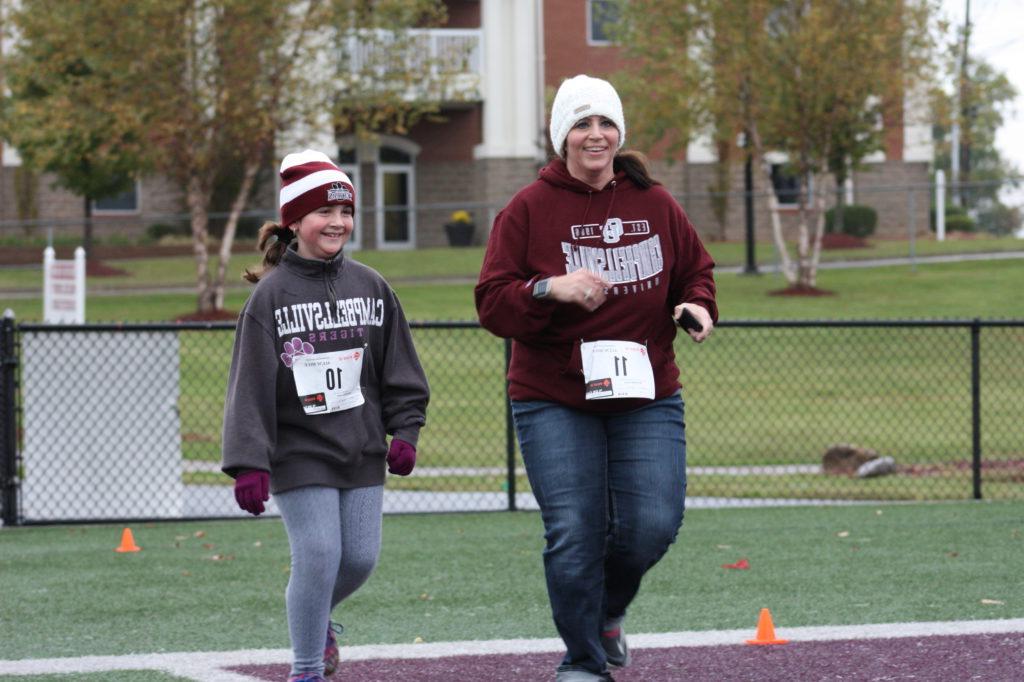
(639, 240)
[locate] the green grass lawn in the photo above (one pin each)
(206, 586)
(465, 262)
(755, 396)
(987, 289)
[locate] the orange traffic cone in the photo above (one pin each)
(766, 630)
(128, 542)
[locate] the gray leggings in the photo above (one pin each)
(334, 537)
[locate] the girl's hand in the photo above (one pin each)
(252, 489)
(401, 457)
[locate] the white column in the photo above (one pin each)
(49, 255)
(80, 285)
(510, 80)
(940, 205)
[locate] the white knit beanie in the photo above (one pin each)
(581, 97)
(310, 180)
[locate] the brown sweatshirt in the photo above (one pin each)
(313, 307)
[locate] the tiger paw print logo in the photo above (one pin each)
(293, 348)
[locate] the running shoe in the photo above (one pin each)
(614, 643)
(331, 656)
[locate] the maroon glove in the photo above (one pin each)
(401, 457)
(252, 489)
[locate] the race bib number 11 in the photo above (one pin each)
(329, 382)
(617, 369)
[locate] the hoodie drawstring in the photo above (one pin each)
(590, 199)
(586, 211)
(611, 202)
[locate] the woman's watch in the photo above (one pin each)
(542, 288)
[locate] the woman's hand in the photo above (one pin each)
(582, 287)
(702, 315)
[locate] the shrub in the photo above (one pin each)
(957, 219)
(157, 231)
(960, 223)
(858, 220)
(1000, 219)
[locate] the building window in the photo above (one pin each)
(602, 16)
(125, 202)
(396, 184)
(396, 193)
(786, 185)
(390, 208)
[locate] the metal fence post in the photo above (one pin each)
(976, 406)
(8, 421)
(510, 436)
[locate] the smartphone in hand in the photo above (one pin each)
(689, 321)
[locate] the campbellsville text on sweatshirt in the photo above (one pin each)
(639, 240)
(313, 307)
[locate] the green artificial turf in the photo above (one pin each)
(205, 586)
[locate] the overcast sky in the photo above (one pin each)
(997, 36)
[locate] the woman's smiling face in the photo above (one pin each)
(590, 149)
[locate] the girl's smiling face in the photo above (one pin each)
(322, 233)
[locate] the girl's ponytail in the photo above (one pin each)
(273, 240)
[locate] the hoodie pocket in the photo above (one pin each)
(574, 366)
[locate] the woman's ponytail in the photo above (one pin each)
(634, 165)
(273, 240)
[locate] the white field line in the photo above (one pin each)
(209, 666)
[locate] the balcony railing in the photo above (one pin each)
(443, 64)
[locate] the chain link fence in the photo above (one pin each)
(123, 422)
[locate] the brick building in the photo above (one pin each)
(491, 142)
(487, 148)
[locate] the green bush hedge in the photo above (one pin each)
(960, 223)
(957, 219)
(858, 220)
(157, 231)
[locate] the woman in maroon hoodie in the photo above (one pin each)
(588, 269)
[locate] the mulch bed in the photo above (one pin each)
(801, 290)
(209, 316)
(837, 240)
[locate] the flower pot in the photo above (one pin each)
(459, 234)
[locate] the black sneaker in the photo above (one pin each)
(614, 643)
(575, 675)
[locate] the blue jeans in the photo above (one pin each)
(611, 490)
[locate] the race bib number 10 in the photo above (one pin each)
(617, 369)
(329, 382)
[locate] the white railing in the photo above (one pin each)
(445, 61)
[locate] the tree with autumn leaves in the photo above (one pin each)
(812, 79)
(177, 87)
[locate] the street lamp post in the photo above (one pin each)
(748, 202)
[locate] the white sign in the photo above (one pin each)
(63, 288)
